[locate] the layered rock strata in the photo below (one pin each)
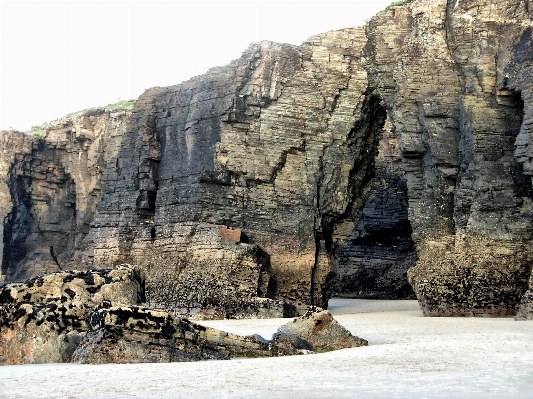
(139, 335)
(375, 260)
(50, 185)
(453, 76)
(239, 184)
(273, 176)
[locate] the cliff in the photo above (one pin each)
(454, 77)
(297, 172)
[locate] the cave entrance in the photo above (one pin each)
(374, 261)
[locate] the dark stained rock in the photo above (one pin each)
(375, 260)
(525, 311)
(241, 183)
(139, 335)
(42, 320)
(93, 317)
(440, 70)
(342, 165)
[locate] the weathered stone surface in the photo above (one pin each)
(140, 335)
(49, 188)
(276, 145)
(439, 68)
(93, 317)
(525, 311)
(238, 184)
(252, 180)
(42, 320)
(318, 331)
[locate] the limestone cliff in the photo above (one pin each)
(297, 171)
(454, 77)
(240, 183)
(50, 187)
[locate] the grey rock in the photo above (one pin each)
(318, 331)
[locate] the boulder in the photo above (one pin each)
(317, 331)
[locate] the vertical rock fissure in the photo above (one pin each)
(16, 226)
(330, 231)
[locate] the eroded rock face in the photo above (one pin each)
(279, 144)
(49, 188)
(375, 260)
(439, 67)
(238, 184)
(525, 311)
(42, 320)
(94, 317)
(275, 177)
(140, 335)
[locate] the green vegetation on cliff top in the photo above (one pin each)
(40, 130)
(397, 3)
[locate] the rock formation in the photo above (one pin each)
(318, 331)
(239, 184)
(300, 171)
(445, 71)
(375, 260)
(95, 317)
(44, 319)
(525, 311)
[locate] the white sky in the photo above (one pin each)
(61, 57)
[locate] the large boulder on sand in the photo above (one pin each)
(318, 331)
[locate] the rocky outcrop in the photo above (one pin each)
(318, 331)
(50, 185)
(140, 335)
(94, 317)
(439, 68)
(239, 184)
(276, 145)
(299, 171)
(42, 320)
(525, 311)
(375, 260)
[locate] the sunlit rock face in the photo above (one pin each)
(455, 80)
(299, 172)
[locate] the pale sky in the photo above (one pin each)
(61, 57)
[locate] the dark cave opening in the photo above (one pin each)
(373, 261)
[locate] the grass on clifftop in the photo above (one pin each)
(126, 104)
(40, 130)
(37, 131)
(397, 3)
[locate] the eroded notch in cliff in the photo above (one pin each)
(17, 226)
(337, 225)
(148, 173)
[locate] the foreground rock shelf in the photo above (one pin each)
(94, 317)
(382, 162)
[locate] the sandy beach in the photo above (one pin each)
(409, 356)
